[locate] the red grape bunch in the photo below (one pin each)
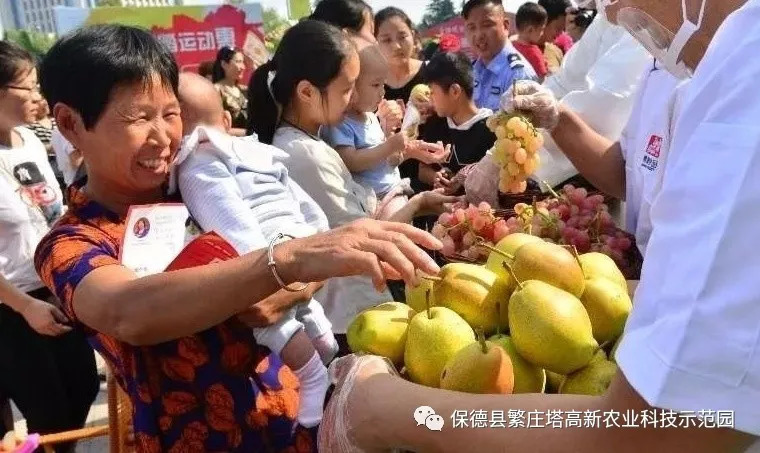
(463, 228)
(574, 218)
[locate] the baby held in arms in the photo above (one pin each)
(371, 153)
(234, 187)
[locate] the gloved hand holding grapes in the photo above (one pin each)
(535, 101)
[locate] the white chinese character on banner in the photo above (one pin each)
(706, 418)
(668, 419)
(611, 419)
(206, 40)
(460, 419)
(573, 419)
(225, 37)
(497, 419)
(630, 419)
(187, 42)
(592, 419)
(516, 418)
(168, 40)
(648, 418)
(725, 419)
(535, 419)
(688, 419)
(554, 418)
(479, 419)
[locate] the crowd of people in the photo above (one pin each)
(303, 187)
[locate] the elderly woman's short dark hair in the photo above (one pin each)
(82, 69)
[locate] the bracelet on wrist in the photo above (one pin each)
(273, 265)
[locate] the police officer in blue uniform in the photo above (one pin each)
(498, 63)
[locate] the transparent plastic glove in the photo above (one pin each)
(335, 432)
(482, 182)
(533, 99)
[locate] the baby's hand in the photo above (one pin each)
(396, 159)
(398, 142)
(390, 114)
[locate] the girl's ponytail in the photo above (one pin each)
(310, 50)
(263, 110)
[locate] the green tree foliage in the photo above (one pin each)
(438, 11)
(274, 28)
(37, 43)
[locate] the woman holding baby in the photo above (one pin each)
(193, 372)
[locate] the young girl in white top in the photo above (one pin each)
(308, 84)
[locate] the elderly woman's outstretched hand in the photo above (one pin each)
(380, 250)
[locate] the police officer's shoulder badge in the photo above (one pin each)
(515, 61)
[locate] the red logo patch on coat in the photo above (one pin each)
(655, 146)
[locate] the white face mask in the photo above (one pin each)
(660, 42)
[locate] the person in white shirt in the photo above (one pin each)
(66, 156)
(629, 169)
(46, 368)
(691, 342)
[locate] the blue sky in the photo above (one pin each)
(414, 8)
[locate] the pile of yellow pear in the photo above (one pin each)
(546, 312)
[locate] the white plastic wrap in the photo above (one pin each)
(334, 433)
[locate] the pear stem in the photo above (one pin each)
(511, 271)
(430, 277)
(577, 258)
(427, 304)
(482, 340)
(480, 243)
(604, 345)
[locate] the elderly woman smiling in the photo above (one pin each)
(191, 368)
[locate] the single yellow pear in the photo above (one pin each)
(381, 330)
(553, 382)
(509, 245)
(481, 367)
(608, 306)
(528, 377)
(434, 337)
(550, 328)
(593, 380)
(474, 292)
(549, 263)
(596, 264)
(416, 297)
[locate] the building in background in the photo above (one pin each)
(7, 17)
(148, 2)
(35, 15)
(199, 2)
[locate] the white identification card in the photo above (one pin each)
(154, 236)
